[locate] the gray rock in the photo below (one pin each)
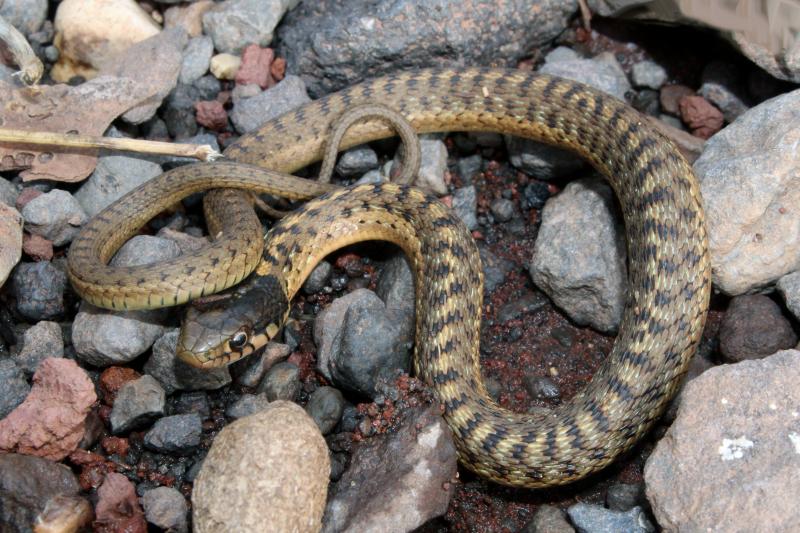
(468, 167)
(166, 508)
(333, 44)
(8, 192)
(14, 386)
(540, 160)
(536, 194)
(55, 215)
(114, 176)
(357, 161)
(250, 113)
(753, 327)
(723, 86)
(589, 518)
(360, 342)
(396, 284)
(433, 153)
(39, 288)
(396, 481)
(625, 496)
(234, 24)
(373, 176)
(749, 181)
(560, 54)
(176, 434)
(549, 519)
(318, 278)
(196, 59)
(325, 406)
(465, 205)
(495, 268)
(27, 483)
(648, 74)
(250, 371)
(137, 404)
(736, 440)
(789, 287)
(282, 440)
(282, 382)
(527, 303)
(208, 88)
(145, 250)
(174, 374)
(39, 342)
(179, 113)
(247, 405)
(25, 15)
(579, 255)
(647, 101)
(502, 209)
(601, 72)
(190, 402)
(542, 387)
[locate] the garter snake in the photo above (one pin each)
(669, 270)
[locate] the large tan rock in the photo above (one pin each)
(265, 472)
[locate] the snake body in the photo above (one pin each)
(669, 270)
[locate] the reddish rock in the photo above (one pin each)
(702, 117)
(670, 96)
(26, 195)
(51, 421)
(37, 247)
(112, 379)
(118, 507)
(211, 114)
(115, 445)
(278, 69)
(94, 468)
(255, 68)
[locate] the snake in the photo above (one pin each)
(669, 268)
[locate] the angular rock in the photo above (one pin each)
(396, 481)
(176, 434)
(250, 113)
(734, 446)
(137, 404)
(56, 216)
(749, 184)
(753, 327)
(789, 287)
(363, 39)
(281, 440)
(14, 386)
(579, 255)
(39, 290)
(63, 391)
(589, 518)
(236, 23)
(39, 342)
(174, 374)
(166, 508)
(114, 176)
(118, 506)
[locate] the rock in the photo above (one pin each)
(178, 112)
(250, 371)
(784, 65)
(648, 74)
(602, 72)
(137, 404)
(325, 406)
(527, 303)
(230, 491)
(225, 66)
(723, 86)
(211, 115)
(176, 434)
(789, 287)
(256, 67)
(8, 191)
(701, 116)
(561, 53)
(357, 161)
(468, 167)
(11, 240)
(27, 484)
(753, 327)
(396, 286)
(247, 405)
(114, 176)
(37, 247)
(14, 386)
(188, 16)
(250, 113)
(540, 160)
(579, 255)
(64, 513)
(118, 506)
(396, 481)
(671, 96)
(111, 381)
(27, 16)
(502, 209)
(364, 39)
(39, 342)
(465, 205)
(360, 342)
(63, 391)
(433, 153)
(196, 59)
(625, 496)
(646, 101)
(549, 519)
(735, 441)
(190, 402)
(542, 387)
(318, 278)
(39, 289)
(749, 184)
(56, 216)
(495, 269)
(233, 24)
(166, 508)
(589, 518)
(282, 382)
(111, 27)
(174, 374)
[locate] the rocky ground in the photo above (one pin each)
(102, 428)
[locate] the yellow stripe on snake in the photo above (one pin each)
(667, 248)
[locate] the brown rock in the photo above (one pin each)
(670, 96)
(255, 68)
(50, 422)
(118, 507)
(189, 17)
(11, 239)
(398, 481)
(729, 462)
(64, 514)
(264, 472)
(702, 117)
(754, 327)
(211, 114)
(37, 247)
(278, 69)
(112, 379)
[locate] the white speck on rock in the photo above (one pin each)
(795, 438)
(734, 448)
(430, 437)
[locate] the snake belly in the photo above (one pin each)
(669, 269)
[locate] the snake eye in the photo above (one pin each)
(238, 340)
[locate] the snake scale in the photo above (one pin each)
(669, 270)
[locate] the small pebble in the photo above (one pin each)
(14, 386)
(250, 113)
(176, 434)
(495, 269)
(465, 205)
(166, 508)
(43, 340)
(137, 404)
(502, 209)
(549, 519)
(196, 59)
(536, 194)
(625, 496)
(39, 289)
(648, 74)
(190, 402)
(468, 167)
(542, 387)
(590, 518)
(225, 66)
(325, 406)
(318, 278)
(247, 405)
(282, 382)
(357, 161)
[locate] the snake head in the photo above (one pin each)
(224, 328)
